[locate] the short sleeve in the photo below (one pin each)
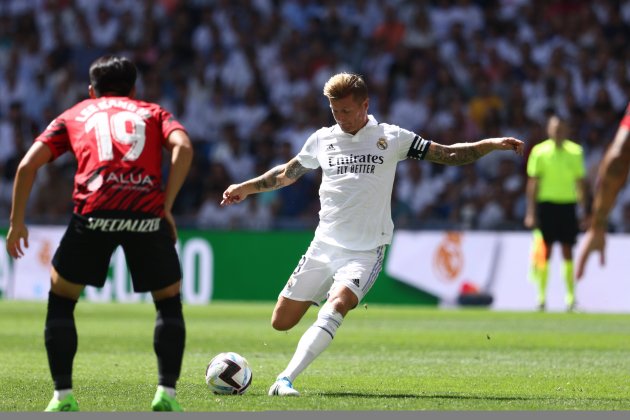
(412, 145)
(169, 123)
(55, 136)
(532, 164)
(308, 155)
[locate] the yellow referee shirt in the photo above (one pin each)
(557, 168)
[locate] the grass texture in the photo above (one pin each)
(383, 358)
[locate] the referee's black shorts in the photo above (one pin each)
(87, 246)
(558, 222)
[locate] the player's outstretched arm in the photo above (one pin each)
(613, 173)
(464, 153)
(36, 157)
(275, 178)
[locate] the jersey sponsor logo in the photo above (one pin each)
(356, 282)
(355, 164)
(123, 225)
(382, 143)
(121, 180)
(129, 178)
(331, 147)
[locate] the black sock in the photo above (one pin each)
(60, 336)
(169, 339)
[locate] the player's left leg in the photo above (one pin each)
(568, 230)
(154, 266)
(61, 340)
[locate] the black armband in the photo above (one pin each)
(419, 148)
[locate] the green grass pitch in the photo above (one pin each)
(383, 358)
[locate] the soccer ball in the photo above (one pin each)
(228, 373)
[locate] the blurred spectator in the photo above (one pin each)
(245, 77)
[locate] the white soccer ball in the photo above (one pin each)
(228, 373)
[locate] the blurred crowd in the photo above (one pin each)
(246, 78)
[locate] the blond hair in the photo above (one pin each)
(343, 84)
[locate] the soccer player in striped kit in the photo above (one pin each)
(358, 157)
(119, 200)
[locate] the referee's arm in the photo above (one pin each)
(530, 194)
(584, 200)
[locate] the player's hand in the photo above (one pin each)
(594, 240)
(17, 233)
(509, 143)
(530, 221)
(171, 223)
(235, 193)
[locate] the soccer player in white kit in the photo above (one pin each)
(358, 157)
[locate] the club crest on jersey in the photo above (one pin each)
(382, 143)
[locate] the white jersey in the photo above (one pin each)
(357, 181)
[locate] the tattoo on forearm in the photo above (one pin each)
(272, 180)
(295, 170)
(269, 180)
(455, 154)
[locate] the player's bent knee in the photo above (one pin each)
(343, 302)
(167, 292)
(283, 323)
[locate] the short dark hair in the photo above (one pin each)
(112, 74)
(343, 84)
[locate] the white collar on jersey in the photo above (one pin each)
(356, 137)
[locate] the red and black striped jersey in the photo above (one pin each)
(118, 143)
(625, 121)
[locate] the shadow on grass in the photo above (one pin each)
(457, 397)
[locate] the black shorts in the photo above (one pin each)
(87, 246)
(558, 222)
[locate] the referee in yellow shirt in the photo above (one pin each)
(556, 183)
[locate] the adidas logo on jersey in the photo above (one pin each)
(356, 282)
(331, 147)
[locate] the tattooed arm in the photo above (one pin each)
(613, 173)
(463, 153)
(273, 179)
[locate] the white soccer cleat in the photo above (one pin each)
(283, 387)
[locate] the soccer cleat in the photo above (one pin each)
(66, 404)
(283, 387)
(164, 402)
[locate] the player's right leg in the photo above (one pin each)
(169, 339)
(81, 259)
(286, 315)
(61, 340)
(354, 274)
(308, 284)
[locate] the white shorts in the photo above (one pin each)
(325, 266)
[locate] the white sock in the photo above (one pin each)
(313, 342)
(170, 391)
(60, 394)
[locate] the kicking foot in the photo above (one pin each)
(283, 387)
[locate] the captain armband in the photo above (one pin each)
(419, 148)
